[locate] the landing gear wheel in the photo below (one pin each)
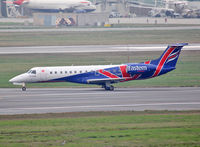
(111, 88)
(107, 88)
(23, 88)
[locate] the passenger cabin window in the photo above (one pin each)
(51, 72)
(61, 72)
(66, 72)
(74, 71)
(55, 72)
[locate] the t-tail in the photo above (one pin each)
(167, 61)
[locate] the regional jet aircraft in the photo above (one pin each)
(104, 75)
(56, 5)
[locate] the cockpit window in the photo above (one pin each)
(31, 72)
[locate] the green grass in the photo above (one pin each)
(186, 74)
(10, 24)
(99, 38)
(177, 129)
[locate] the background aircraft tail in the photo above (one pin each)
(170, 56)
(17, 2)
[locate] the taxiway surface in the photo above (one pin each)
(100, 29)
(90, 48)
(55, 100)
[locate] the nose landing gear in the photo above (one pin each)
(23, 87)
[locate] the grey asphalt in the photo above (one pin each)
(55, 100)
(90, 48)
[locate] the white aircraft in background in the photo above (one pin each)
(56, 5)
(103, 75)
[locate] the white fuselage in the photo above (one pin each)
(59, 4)
(42, 74)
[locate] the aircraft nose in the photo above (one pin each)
(17, 79)
(13, 80)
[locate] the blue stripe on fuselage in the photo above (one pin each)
(84, 77)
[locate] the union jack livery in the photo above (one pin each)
(104, 75)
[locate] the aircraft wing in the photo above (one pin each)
(101, 81)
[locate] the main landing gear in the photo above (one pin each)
(108, 87)
(111, 88)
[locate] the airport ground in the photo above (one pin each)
(100, 129)
(58, 100)
(118, 36)
(154, 128)
(133, 21)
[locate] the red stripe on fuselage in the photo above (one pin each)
(108, 74)
(124, 72)
(162, 61)
(136, 76)
(126, 75)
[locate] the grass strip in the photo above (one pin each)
(115, 129)
(99, 38)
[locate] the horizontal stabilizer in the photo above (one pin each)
(179, 44)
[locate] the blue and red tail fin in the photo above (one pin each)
(170, 55)
(168, 59)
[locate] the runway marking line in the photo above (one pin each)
(70, 94)
(108, 49)
(103, 106)
(84, 93)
